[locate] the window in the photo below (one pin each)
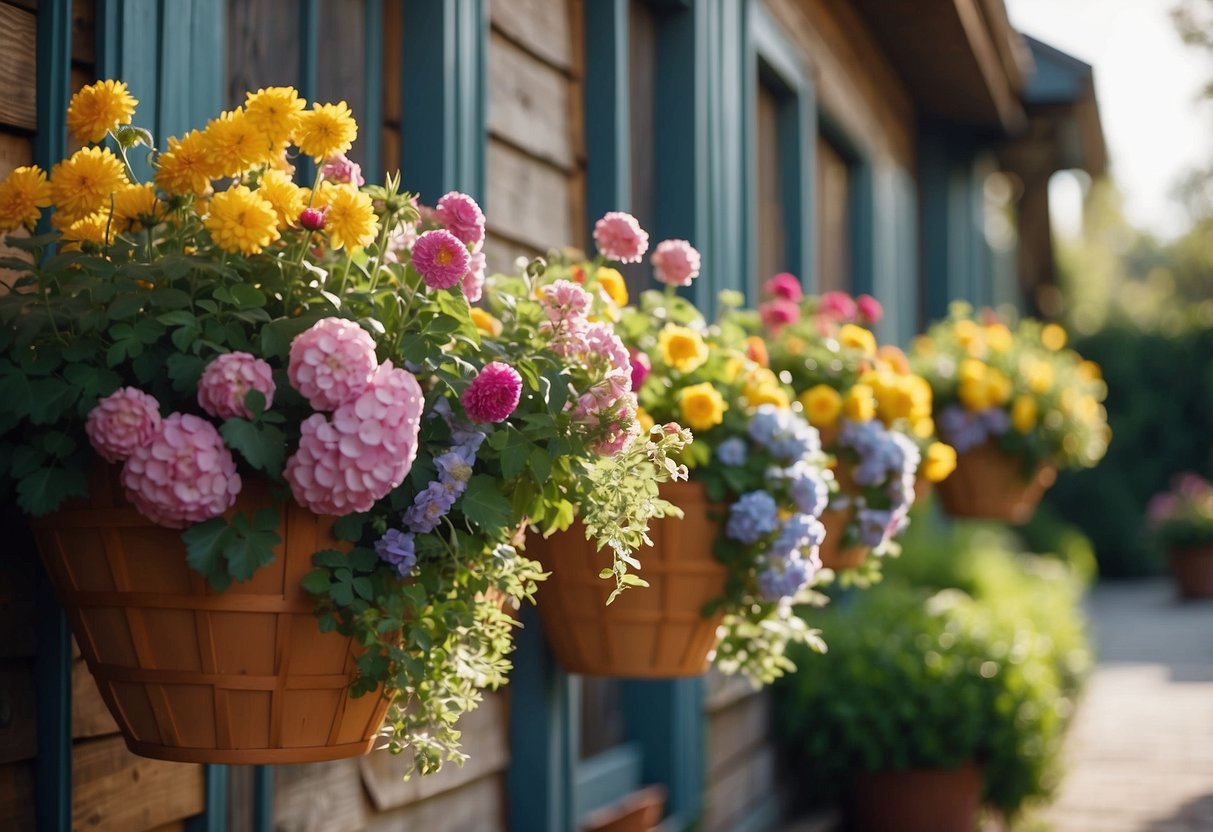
(772, 224)
(833, 218)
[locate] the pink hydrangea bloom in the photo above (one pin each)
(778, 313)
(601, 341)
(870, 310)
(838, 306)
(121, 422)
(349, 461)
(619, 237)
(640, 368)
(183, 475)
(784, 285)
(337, 168)
(332, 362)
(492, 395)
(564, 300)
(227, 379)
(473, 281)
(675, 262)
(461, 216)
(440, 258)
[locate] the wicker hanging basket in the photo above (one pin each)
(654, 632)
(192, 675)
(989, 483)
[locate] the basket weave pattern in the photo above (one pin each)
(989, 483)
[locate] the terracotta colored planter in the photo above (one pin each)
(832, 555)
(989, 483)
(197, 676)
(1193, 571)
(919, 800)
(648, 632)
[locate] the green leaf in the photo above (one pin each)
(169, 299)
(316, 582)
(349, 527)
(184, 370)
(178, 317)
(330, 558)
(263, 446)
(125, 306)
(45, 490)
(562, 519)
(541, 464)
(50, 400)
(204, 546)
(249, 550)
(254, 400)
(247, 297)
(514, 458)
(483, 504)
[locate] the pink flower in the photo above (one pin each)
(609, 418)
(440, 258)
(227, 379)
(620, 237)
(837, 305)
(399, 241)
(564, 300)
(473, 281)
(461, 216)
(870, 310)
(784, 285)
(492, 395)
(338, 168)
(640, 368)
(1161, 507)
(347, 463)
(121, 422)
(314, 219)
(183, 475)
(332, 362)
(601, 340)
(778, 313)
(675, 262)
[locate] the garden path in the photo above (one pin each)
(1140, 751)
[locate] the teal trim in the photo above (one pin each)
(607, 114)
(214, 815)
(862, 203)
(667, 718)
(372, 116)
(263, 799)
(606, 778)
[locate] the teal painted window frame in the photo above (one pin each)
(862, 201)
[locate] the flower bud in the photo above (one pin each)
(313, 219)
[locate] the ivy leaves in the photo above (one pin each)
(222, 552)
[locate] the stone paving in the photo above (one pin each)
(1140, 752)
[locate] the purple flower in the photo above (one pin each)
(808, 489)
(800, 532)
(995, 420)
(732, 451)
(784, 578)
(430, 506)
(397, 548)
(753, 515)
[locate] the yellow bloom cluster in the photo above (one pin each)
(23, 195)
(241, 221)
(761, 386)
(682, 348)
(822, 405)
(612, 283)
(982, 386)
(351, 221)
(938, 462)
(99, 109)
(702, 407)
(854, 336)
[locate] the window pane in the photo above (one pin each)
(772, 224)
(601, 715)
(833, 218)
(641, 80)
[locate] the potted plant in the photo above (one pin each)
(278, 467)
(1181, 524)
(1015, 404)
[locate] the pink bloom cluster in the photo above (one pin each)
(440, 258)
(226, 381)
(451, 255)
(675, 262)
(332, 362)
(842, 308)
(493, 394)
(462, 217)
(619, 237)
(784, 285)
(609, 418)
(121, 422)
(778, 313)
(338, 168)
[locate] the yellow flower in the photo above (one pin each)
(860, 404)
(893, 401)
(613, 284)
(1023, 413)
(274, 113)
(733, 367)
(998, 388)
(288, 199)
(241, 221)
(794, 345)
(22, 196)
(971, 370)
(83, 184)
(326, 129)
(136, 206)
(856, 337)
(185, 167)
(485, 322)
(644, 420)
(762, 387)
(682, 348)
(702, 406)
(938, 462)
(999, 338)
(923, 345)
(968, 335)
(924, 427)
(97, 228)
(894, 359)
(1038, 374)
(351, 222)
(822, 405)
(1090, 371)
(974, 394)
(1053, 337)
(233, 144)
(99, 108)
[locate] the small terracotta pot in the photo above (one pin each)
(1193, 571)
(648, 632)
(193, 675)
(989, 483)
(832, 555)
(918, 800)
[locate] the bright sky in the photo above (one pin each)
(1147, 82)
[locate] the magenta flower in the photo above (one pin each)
(784, 285)
(183, 475)
(837, 306)
(441, 259)
(492, 395)
(337, 168)
(675, 262)
(332, 362)
(640, 368)
(226, 380)
(778, 313)
(619, 237)
(461, 216)
(870, 310)
(121, 422)
(473, 281)
(564, 300)
(314, 219)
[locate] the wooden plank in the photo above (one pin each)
(84, 32)
(17, 796)
(477, 807)
(18, 711)
(339, 68)
(737, 730)
(500, 254)
(393, 44)
(529, 103)
(90, 716)
(529, 202)
(262, 46)
(115, 790)
(321, 797)
(18, 68)
(738, 789)
(539, 26)
(18, 573)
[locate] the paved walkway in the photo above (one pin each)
(1140, 753)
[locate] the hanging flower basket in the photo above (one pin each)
(989, 483)
(1193, 570)
(919, 800)
(657, 632)
(194, 675)
(832, 552)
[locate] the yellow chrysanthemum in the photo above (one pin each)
(1053, 337)
(1023, 413)
(938, 462)
(998, 388)
(1039, 375)
(613, 284)
(733, 367)
(99, 108)
(968, 335)
(998, 337)
(288, 199)
(860, 403)
(241, 221)
(234, 144)
(971, 370)
(136, 206)
(185, 167)
(274, 113)
(682, 348)
(351, 222)
(22, 196)
(1090, 371)
(893, 401)
(856, 337)
(97, 227)
(645, 421)
(924, 427)
(487, 323)
(702, 407)
(326, 129)
(822, 405)
(84, 182)
(973, 394)
(762, 387)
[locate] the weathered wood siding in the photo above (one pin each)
(741, 781)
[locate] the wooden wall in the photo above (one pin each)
(742, 786)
